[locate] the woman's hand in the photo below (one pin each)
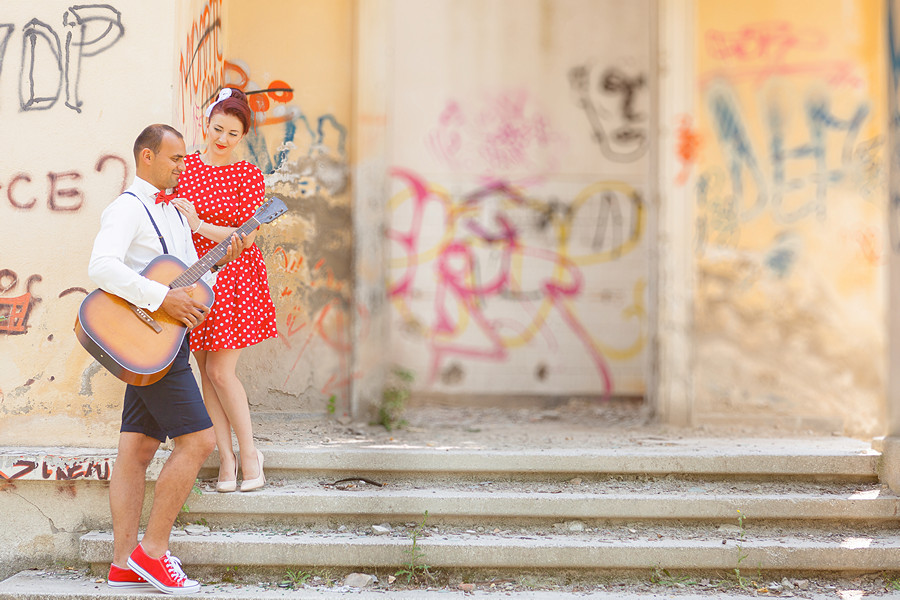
(186, 208)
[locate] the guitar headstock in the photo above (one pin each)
(271, 210)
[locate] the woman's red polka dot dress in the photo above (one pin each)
(243, 313)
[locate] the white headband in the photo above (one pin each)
(223, 93)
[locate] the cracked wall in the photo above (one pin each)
(788, 147)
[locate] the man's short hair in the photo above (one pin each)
(151, 137)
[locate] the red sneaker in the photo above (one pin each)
(126, 578)
(163, 573)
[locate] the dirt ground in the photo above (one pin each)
(574, 423)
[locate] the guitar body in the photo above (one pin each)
(121, 341)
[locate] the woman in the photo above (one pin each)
(218, 193)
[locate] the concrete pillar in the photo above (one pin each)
(671, 389)
(890, 473)
(369, 167)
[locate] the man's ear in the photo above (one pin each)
(146, 155)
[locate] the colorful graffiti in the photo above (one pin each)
(306, 329)
(790, 149)
(14, 311)
(506, 132)
(200, 69)
(323, 166)
(790, 176)
(496, 286)
(757, 52)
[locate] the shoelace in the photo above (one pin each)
(173, 566)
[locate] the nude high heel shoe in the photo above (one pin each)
(228, 486)
(248, 485)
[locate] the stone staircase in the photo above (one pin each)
(765, 507)
(693, 505)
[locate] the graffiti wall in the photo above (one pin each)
(299, 85)
(520, 141)
(91, 77)
(788, 154)
(77, 81)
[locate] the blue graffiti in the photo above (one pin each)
(732, 136)
(819, 122)
(800, 174)
(257, 146)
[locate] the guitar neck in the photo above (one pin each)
(199, 268)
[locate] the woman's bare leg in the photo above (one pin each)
(218, 415)
(232, 398)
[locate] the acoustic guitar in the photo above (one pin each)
(139, 346)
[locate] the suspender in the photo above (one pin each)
(162, 240)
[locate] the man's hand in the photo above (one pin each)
(179, 305)
(237, 245)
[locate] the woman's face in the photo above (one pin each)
(224, 132)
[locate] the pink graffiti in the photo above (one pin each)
(462, 282)
(763, 50)
(507, 132)
(768, 41)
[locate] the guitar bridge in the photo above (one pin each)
(145, 317)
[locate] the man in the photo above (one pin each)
(135, 228)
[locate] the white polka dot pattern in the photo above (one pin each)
(243, 313)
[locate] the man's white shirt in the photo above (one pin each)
(127, 242)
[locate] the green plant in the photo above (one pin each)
(664, 578)
(743, 581)
(394, 396)
(230, 575)
(413, 569)
(295, 579)
(195, 489)
(332, 404)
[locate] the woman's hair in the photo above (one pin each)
(237, 106)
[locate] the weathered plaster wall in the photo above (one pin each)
(49, 498)
(520, 147)
(295, 61)
(789, 143)
(130, 64)
(77, 84)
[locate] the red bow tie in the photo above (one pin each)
(162, 196)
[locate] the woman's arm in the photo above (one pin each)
(216, 233)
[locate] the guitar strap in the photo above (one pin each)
(162, 240)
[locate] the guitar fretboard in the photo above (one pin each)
(199, 268)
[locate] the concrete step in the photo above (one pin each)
(838, 459)
(44, 585)
(606, 550)
(823, 459)
(502, 503)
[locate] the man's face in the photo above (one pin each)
(167, 164)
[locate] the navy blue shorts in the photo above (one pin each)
(171, 407)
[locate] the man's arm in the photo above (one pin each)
(107, 268)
